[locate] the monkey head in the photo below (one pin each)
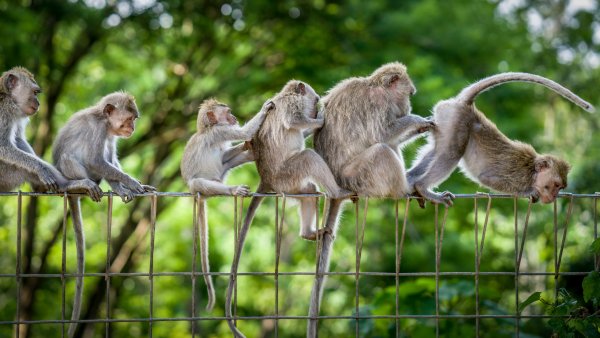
(20, 84)
(121, 112)
(213, 112)
(397, 85)
(310, 98)
(550, 177)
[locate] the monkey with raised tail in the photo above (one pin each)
(207, 159)
(464, 137)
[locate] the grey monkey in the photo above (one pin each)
(86, 148)
(208, 157)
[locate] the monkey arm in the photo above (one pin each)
(305, 123)
(407, 127)
(22, 159)
(233, 152)
(239, 159)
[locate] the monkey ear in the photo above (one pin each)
(11, 81)
(541, 165)
(109, 109)
(210, 115)
(393, 80)
(301, 88)
(270, 105)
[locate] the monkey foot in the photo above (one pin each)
(446, 198)
(343, 193)
(313, 235)
(419, 198)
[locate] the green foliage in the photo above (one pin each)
(172, 54)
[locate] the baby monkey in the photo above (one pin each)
(465, 137)
(208, 157)
(86, 147)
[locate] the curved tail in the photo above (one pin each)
(254, 203)
(331, 223)
(469, 94)
(80, 248)
(204, 260)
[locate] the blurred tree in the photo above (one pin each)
(173, 54)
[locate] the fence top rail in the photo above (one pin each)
(187, 194)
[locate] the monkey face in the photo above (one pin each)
(122, 124)
(25, 93)
(548, 184)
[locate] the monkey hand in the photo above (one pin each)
(148, 188)
(47, 179)
(268, 106)
(446, 198)
(343, 193)
(91, 188)
(134, 186)
(427, 126)
(313, 235)
(125, 194)
(247, 145)
(240, 190)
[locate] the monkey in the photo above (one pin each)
(464, 137)
(207, 158)
(285, 166)
(18, 161)
(86, 148)
(366, 120)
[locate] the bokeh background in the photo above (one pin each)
(171, 55)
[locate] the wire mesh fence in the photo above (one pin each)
(432, 312)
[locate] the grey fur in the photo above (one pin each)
(286, 167)
(86, 149)
(207, 158)
(464, 137)
(367, 119)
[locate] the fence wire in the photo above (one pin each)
(560, 232)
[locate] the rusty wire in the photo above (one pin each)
(360, 223)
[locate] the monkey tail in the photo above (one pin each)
(333, 212)
(204, 260)
(80, 248)
(254, 203)
(469, 94)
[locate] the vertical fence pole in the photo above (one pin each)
(63, 267)
(18, 267)
(596, 257)
(278, 234)
(108, 261)
(196, 235)
(153, 206)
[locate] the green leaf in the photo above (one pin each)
(595, 247)
(531, 299)
(591, 287)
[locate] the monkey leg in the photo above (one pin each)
(209, 187)
(308, 164)
(421, 165)
(378, 171)
(308, 213)
(331, 224)
(440, 167)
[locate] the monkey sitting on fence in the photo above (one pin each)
(285, 166)
(465, 137)
(18, 161)
(208, 157)
(86, 148)
(366, 121)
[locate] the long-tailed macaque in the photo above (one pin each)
(465, 137)
(367, 119)
(86, 147)
(286, 167)
(208, 157)
(18, 161)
